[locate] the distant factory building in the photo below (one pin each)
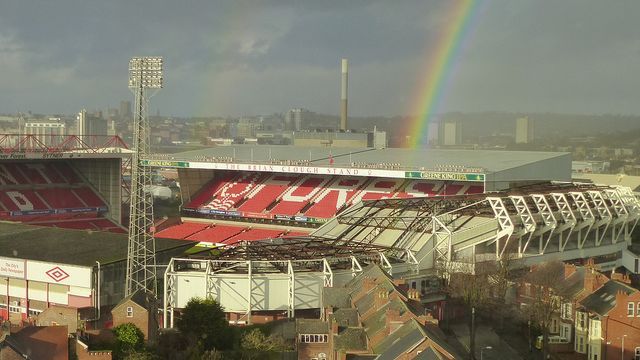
(450, 132)
(293, 119)
(91, 128)
(49, 132)
(524, 130)
(125, 109)
(371, 139)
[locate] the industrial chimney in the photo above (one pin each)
(343, 98)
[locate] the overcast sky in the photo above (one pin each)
(239, 57)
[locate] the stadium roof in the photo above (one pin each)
(486, 161)
(74, 247)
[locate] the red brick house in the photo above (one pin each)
(36, 342)
(138, 309)
(611, 319)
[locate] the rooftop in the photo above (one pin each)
(74, 247)
(604, 299)
(483, 161)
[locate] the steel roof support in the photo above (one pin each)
(621, 212)
(604, 215)
(170, 294)
(249, 291)
(528, 222)
(587, 217)
(568, 219)
(505, 222)
(384, 262)
(633, 207)
(291, 308)
(355, 267)
(327, 272)
(549, 220)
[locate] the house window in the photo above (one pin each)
(129, 311)
(565, 311)
(565, 331)
(581, 320)
(637, 354)
(595, 328)
(579, 344)
(554, 326)
(313, 338)
(638, 310)
(630, 309)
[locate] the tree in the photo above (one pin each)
(255, 342)
(471, 286)
(129, 338)
(203, 322)
(501, 278)
(545, 297)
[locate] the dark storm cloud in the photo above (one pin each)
(247, 57)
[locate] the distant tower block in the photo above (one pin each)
(524, 130)
(343, 98)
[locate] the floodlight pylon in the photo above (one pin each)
(145, 73)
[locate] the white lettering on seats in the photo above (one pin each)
(419, 188)
(344, 187)
(387, 187)
(6, 177)
(311, 192)
(20, 200)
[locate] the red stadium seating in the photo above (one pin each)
(475, 189)
(267, 192)
(231, 193)
(451, 189)
(60, 198)
(88, 196)
(335, 196)
(297, 196)
(216, 234)
(101, 224)
(181, 231)
(206, 193)
(378, 188)
(67, 173)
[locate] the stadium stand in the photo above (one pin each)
(51, 194)
(318, 196)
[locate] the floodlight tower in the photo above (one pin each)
(145, 73)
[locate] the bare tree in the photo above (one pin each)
(545, 297)
(502, 277)
(473, 290)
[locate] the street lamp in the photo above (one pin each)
(622, 355)
(483, 349)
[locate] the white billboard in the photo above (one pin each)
(14, 268)
(59, 273)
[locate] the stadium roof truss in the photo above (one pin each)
(528, 221)
(38, 143)
(410, 235)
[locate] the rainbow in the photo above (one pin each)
(439, 68)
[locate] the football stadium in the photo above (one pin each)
(276, 225)
(268, 228)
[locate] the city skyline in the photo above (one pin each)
(248, 58)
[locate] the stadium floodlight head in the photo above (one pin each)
(145, 72)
